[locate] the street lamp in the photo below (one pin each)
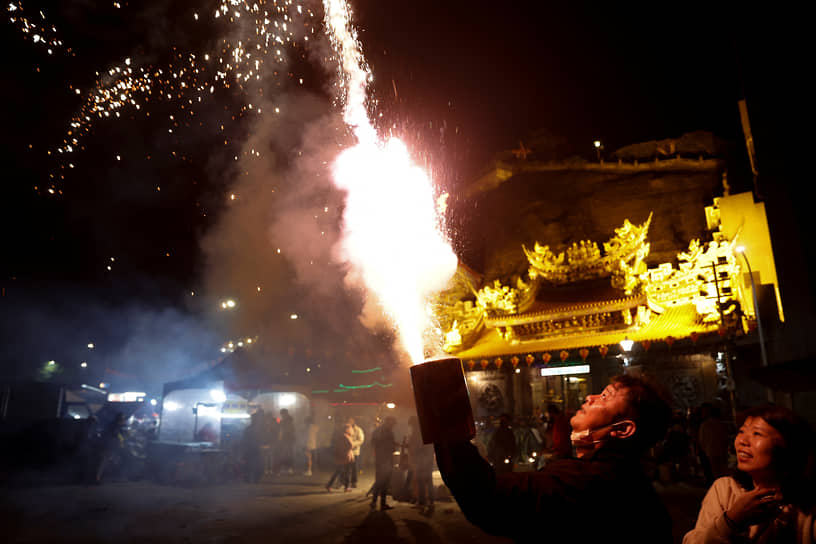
(741, 251)
(626, 345)
(598, 146)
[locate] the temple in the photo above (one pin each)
(553, 311)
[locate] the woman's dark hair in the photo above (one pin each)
(793, 459)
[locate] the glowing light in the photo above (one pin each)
(153, 402)
(51, 363)
(390, 405)
(392, 234)
(90, 346)
(218, 395)
(286, 400)
(171, 406)
(83, 364)
(627, 344)
(565, 370)
(293, 316)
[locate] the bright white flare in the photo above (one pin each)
(392, 235)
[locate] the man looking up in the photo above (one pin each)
(601, 495)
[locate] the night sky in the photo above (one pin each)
(460, 81)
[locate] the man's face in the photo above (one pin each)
(350, 421)
(601, 410)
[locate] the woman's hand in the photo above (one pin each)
(755, 506)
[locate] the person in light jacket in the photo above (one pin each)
(770, 497)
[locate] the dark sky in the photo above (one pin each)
(460, 80)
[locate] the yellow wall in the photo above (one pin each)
(745, 219)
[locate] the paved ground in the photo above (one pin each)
(285, 509)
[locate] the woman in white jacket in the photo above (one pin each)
(770, 497)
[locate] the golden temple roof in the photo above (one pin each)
(678, 321)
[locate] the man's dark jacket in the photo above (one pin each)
(604, 498)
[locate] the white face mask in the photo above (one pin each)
(584, 438)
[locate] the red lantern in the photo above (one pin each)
(471, 364)
(695, 336)
(546, 357)
(529, 359)
(484, 363)
(498, 361)
(603, 350)
(670, 340)
(646, 344)
(564, 354)
(584, 352)
(514, 361)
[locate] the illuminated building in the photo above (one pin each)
(553, 304)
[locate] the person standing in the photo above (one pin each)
(770, 497)
(286, 442)
(251, 442)
(357, 439)
(560, 426)
(502, 448)
(311, 444)
(342, 450)
(422, 464)
(713, 438)
(384, 446)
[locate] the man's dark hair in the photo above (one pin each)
(649, 406)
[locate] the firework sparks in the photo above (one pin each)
(392, 234)
(258, 34)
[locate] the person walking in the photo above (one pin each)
(770, 497)
(602, 494)
(342, 451)
(384, 446)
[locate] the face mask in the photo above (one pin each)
(583, 438)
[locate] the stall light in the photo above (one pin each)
(286, 400)
(565, 370)
(153, 402)
(518, 370)
(171, 406)
(235, 416)
(390, 405)
(218, 395)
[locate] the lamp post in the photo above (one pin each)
(598, 146)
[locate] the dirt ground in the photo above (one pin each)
(281, 509)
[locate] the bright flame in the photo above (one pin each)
(392, 234)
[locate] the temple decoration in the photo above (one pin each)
(623, 258)
(588, 295)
